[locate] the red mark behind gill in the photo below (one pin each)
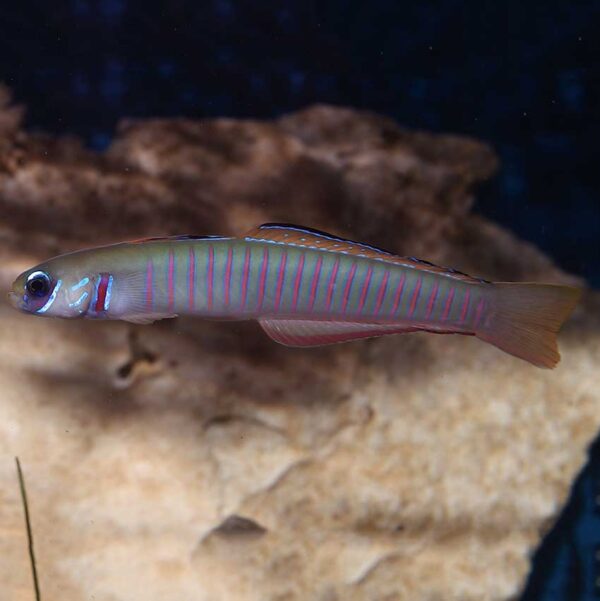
(102, 288)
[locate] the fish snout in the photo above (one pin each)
(16, 300)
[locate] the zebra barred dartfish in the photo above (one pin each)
(306, 288)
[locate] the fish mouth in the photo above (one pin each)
(16, 300)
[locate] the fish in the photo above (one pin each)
(303, 286)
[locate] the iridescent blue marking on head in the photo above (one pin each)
(84, 282)
(51, 299)
(95, 294)
(108, 293)
(79, 300)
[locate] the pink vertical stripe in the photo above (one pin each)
(349, 281)
(365, 289)
(415, 296)
(227, 282)
(210, 272)
(381, 292)
(192, 279)
(465, 307)
(297, 282)
(280, 280)
(398, 295)
(448, 305)
(264, 267)
(431, 301)
(314, 285)
(149, 285)
(331, 284)
(479, 312)
(171, 279)
(245, 274)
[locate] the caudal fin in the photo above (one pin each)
(524, 319)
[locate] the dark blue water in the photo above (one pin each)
(522, 75)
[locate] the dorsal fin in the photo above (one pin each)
(293, 235)
(178, 237)
(305, 236)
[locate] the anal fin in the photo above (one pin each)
(297, 332)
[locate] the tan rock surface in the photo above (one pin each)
(192, 460)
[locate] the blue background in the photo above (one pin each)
(522, 75)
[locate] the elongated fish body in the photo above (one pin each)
(256, 279)
(305, 287)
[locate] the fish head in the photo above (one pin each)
(53, 289)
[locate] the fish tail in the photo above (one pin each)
(523, 320)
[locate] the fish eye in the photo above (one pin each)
(38, 284)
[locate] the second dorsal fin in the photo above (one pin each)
(183, 237)
(294, 235)
(303, 236)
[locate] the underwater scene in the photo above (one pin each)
(300, 301)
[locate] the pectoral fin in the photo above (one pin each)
(146, 318)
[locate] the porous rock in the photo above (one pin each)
(199, 461)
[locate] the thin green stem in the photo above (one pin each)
(29, 532)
